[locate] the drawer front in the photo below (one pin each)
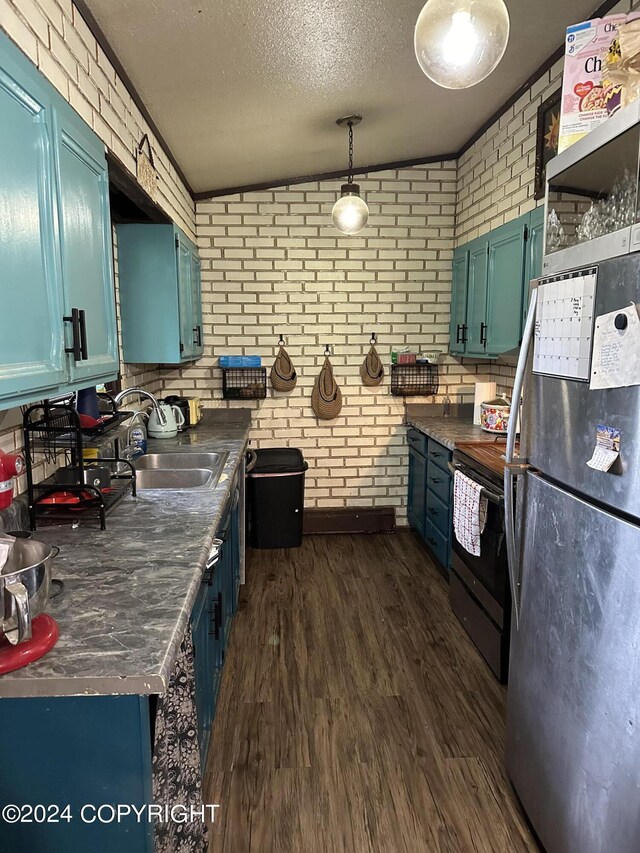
(438, 514)
(439, 454)
(492, 643)
(439, 482)
(417, 441)
(437, 543)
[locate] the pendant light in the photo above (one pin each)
(350, 213)
(459, 42)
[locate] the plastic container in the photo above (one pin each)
(240, 361)
(276, 498)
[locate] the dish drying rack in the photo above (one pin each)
(52, 429)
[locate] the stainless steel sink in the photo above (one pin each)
(179, 470)
(180, 460)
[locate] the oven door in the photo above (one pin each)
(487, 576)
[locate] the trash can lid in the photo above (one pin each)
(279, 460)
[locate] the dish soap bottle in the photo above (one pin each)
(137, 436)
(446, 407)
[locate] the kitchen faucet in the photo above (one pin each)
(162, 418)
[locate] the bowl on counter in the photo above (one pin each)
(494, 415)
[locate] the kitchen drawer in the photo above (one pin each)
(417, 441)
(438, 514)
(437, 543)
(439, 481)
(492, 643)
(438, 453)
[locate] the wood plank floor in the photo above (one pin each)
(355, 714)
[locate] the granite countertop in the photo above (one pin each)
(129, 590)
(451, 431)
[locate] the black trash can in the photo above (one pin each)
(276, 498)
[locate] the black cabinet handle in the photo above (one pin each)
(220, 615)
(459, 332)
(435, 479)
(435, 453)
(431, 541)
(433, 511)
(83, 334)
(197, 330)
(483, 334)
(78, 349)
(464, 333)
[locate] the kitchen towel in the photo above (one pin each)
(177, 777)
(469, 512)
(283, 375)
(326, 397)
(371, 369)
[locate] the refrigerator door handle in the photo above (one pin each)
(515, 466)
(516, 399)
(510, 474)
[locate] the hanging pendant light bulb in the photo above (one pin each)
(459, 42)
(350, 213)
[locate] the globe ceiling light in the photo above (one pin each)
(459, 42)
(350, 213)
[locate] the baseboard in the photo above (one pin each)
(379, 519)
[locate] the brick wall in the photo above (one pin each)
(274, 263)
(56, 39)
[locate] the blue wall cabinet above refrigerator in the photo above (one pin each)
(488, 290)
(55, 242)
(160, 295)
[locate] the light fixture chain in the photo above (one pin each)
(350, 153)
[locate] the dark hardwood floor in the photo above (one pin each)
(354, 714)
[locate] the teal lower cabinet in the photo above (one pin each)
(430, 499)
(69, 755)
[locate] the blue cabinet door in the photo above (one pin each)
(86, 246)
(196, 305)
(458, 327)
(477, 297)
(32, 358)
(504, 286)
(533, 255)
(416, 505)
(185, 269)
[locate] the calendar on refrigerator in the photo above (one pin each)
(563, 332)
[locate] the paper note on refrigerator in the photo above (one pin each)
(616, 350)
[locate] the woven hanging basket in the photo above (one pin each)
(371, 369)
(283, 375)
(326, 397)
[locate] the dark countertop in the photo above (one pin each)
(129, 590)
(451, 431)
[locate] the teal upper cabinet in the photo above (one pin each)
(55, 243)
(477, 297)
(488, 291)
(458, 329)
(533, 256)
(85, 232)
(160, 301)
(504, 294)
(32, 357)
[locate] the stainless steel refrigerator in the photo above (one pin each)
(573, 539)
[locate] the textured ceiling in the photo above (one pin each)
(246, 91)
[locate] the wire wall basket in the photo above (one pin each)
(244, 383)
(414, 380)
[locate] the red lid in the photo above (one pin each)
(45, 636)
